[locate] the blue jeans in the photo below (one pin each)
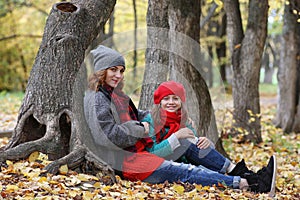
(209, 157)
(172, 172)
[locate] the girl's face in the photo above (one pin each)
(114, 75)
(171, 103)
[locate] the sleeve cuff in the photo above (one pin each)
(212, 144)
(174, 142)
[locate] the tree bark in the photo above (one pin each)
(246, 50)
(267, 69)
(157, 52)
(135, 39)
(185, 65)
(288, 109)
(51, 118)
(221, 49)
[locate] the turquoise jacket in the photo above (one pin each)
(167, 146)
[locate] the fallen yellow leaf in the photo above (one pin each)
(97, 185)
(178, 188)
(43, 179)
(294, 163)
(33, 156)
(11, 188)
(8, 162)
(106, 188)
(63, 169)
(87, 195)
(73, 193)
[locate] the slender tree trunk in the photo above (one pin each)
(268, 76)
(157, 52)
(288, 109)
(24, 77)
(209, 75)
(109, 36)
(135, 39)
(51, 118)
(24, 67)
(246, 68)
(221, 49)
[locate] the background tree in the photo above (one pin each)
(288, 110)
(173, 51)
(135, 39)
(246, 68)
(213, 32)
(19, 41)
(185, 65)
(270, 60)
(157, 55)
(51, 117)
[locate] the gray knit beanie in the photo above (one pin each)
(105, 58)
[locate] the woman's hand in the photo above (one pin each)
(184, 133)
(203, 143)
(192, 123)
(146, 126)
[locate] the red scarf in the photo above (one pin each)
(172, 120)
(127, 111)
(140, 164)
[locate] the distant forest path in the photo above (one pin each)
(268, 101)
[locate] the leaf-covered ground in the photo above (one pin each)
(25, 179)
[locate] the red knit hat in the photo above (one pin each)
(168, 88)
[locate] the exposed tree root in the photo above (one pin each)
(25, 149)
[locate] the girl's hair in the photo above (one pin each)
(155, 112)
(97, 79)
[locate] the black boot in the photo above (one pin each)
(240, 169)
(264, 180)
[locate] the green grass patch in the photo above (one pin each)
(10, 102)
(268, 89)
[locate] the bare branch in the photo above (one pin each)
(20, 35)
(209, 15)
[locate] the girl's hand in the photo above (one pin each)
(184, 133)
(146, 126)
(203, 143)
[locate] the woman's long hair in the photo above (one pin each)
(97, 79)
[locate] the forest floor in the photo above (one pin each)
(22, 180)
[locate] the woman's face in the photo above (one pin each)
(114, 75)
(171, 103)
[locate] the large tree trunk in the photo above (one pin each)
(246, 53)
(288, 109)
(157, 55)
(185, 65)
(51, 118)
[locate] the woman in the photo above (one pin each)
(122, 139)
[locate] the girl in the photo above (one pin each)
(122, 140)
(175, 139)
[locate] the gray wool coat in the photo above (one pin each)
(109, 134)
